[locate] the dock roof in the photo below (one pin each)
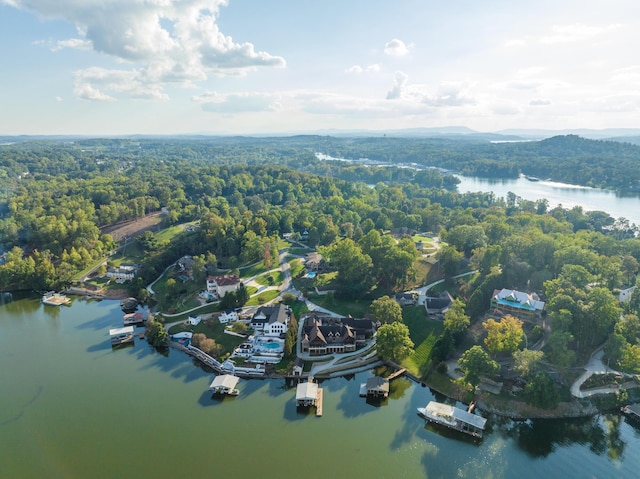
(440, 409)
(119, 331)
(307, 391)
(226, 381)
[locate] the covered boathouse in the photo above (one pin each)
(454, 418)
(225, 384)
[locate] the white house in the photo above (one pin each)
(625, 294)
(221, 285)
(271, 320)
(194, 320)
(124, 272)
(228, 316)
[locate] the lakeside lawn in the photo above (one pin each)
(212, 328)
(424, 333)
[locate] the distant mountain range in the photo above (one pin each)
(628, 135)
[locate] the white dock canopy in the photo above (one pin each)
(121, 331)
(224, 383)
(444, 410)
(306, 393)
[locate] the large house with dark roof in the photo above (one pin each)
(271, 320)
(439, 304)
(328, 335)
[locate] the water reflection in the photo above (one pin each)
(541, 437)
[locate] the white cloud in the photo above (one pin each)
(238, 102)
(396, 48)
(559, 34)
(359, 69)
(58, 99)
(397, 90)
(165, 41)
(74, 43)
(93, 83)
(576, 33)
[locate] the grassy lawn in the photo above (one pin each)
(251, 290)
(253, 270)
(424, 333)
(355, 307)
(186, 298)
(263, 297)
(422, 268)
(212, 328)
(277, 279)
(168, 233)
(296, 267)
(298, 308)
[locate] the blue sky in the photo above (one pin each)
(119, 67)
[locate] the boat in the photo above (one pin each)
(55, 299)
(121, 335)
(532, 178)
(453, 418)
(138, 317)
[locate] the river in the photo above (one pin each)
(616, 204)
(72, 407)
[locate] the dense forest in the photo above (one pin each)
(56, 197)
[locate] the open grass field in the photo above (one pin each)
(263, 297)
(212, 328)
(355, 307)
(277, 279)
(424, 333)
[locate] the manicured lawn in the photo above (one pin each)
(254, 270)
(168, 233)
(251, 290)
(424, 333)
(296, 267)
(212, 329)
(355, 307)
(277, 279)
(263, 297)
(298, 308)
(185, 299)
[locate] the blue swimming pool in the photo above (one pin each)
(311, 274)
(266, 345)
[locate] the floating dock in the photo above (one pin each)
(55, 299)
(319, 403)
(225, 384)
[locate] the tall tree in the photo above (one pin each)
(393, 341)
(386, 310)
(474, 363)
(504, 335)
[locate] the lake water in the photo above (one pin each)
(71, 407)
(617, 205)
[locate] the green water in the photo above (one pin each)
(71, 407)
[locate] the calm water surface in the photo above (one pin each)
(617, 205)
(71, 407)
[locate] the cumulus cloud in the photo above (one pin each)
(74, 43)
(237, 102)
(93, 83)
(447, 94)
(396, 48)
(165, 41)
(359, 69)
(399, 82)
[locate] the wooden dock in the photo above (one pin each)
(399, 372)
(319, 403)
